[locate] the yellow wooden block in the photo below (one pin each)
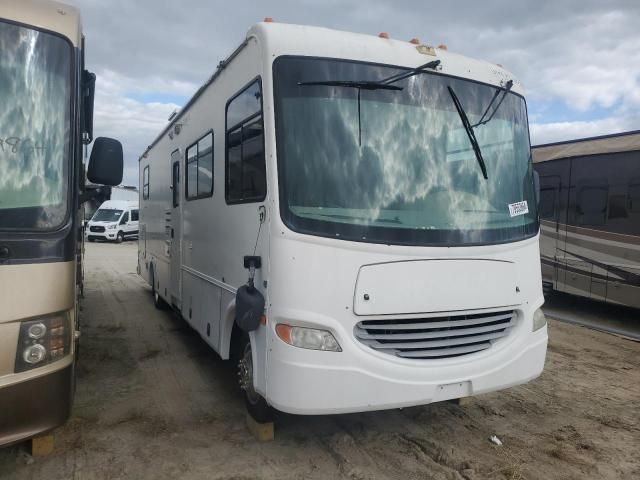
(263, 432)
(42, 445)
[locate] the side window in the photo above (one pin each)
(125, 218)
(145, 183)
(591, 203)
(547, 208)
(245, 164)
(175, 182)
(634, 195)
(199, 163)
(134, 215)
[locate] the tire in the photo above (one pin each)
(256, 405)
(158, 302)
(119, 237)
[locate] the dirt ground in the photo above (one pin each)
(153, 402)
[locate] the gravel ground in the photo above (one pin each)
(153, 402)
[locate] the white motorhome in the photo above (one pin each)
(382, 194)
(115, 220)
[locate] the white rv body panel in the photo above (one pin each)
(318, 282)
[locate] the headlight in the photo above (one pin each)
(43, 341)
(539, 320)
(112, 227)
(310, 338)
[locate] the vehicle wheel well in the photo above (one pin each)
(235, 346)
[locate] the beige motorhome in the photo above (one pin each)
(590, 217)
(46, 117)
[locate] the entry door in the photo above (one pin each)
(175, 250)
(554, 193)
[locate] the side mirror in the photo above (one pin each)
(105, 162)
(536, 186)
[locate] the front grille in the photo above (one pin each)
(96, 229)
(437, 337)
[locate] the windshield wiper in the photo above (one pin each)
(384, 84)
(469, 129)
(504, 90)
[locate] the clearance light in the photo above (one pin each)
(539, 320)
(383, 35)
(268, 20)
(415, 41)
(442, 46)
(309, 338)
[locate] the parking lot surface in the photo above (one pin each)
(154, 402)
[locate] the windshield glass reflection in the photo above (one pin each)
(35, 88)
(398, 166)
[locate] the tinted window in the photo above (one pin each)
(547, 208)
(134, 215)
(634, 195)
(145, 183)
(244, 105)
(591, 205)
(245, 173)
(125, 218)
(200, 168)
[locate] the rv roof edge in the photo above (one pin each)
(612, 143)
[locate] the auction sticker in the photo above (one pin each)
(518, 208)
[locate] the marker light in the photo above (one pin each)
(383, 35)
(539, 320)
(415, 41)
(442, 46)
(309, 338)
(268, 20)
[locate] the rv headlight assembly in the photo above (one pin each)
(309, 338)
(539, 320)
(43, 341)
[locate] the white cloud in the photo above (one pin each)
(559, 131)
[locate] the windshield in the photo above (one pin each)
(35, 89)
(107, 215)
(397, 166)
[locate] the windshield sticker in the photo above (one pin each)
(518, 208)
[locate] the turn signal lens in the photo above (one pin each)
(539, 320)
(309, 338)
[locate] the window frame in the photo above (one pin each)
(197, 161)
(247, 120)
(146, 188)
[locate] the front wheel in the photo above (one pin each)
(119, 237)
(257, 406)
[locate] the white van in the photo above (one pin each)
(114, 220)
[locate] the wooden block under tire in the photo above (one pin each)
(42, 445)
(263, 432)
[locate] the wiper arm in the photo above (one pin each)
(505, 90)
(469, 129)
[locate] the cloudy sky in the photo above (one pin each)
(579, 60)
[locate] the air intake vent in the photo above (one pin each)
(436, 337)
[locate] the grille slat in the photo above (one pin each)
(438, 337)
(363, 335)
(96, 229)
(422, 323)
